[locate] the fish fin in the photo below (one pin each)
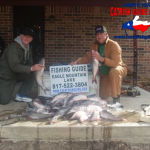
(80, 120)
(94, 80)
(42, 81)
(39, 110)
(30, 105)
(29, 117)
(44, 91)
(99, 64)
(124, 119)
(107, 115)
(47, 89)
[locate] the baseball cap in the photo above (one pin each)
(100, 29)
(27, 31)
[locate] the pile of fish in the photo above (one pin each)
(69, 105)
(72, 106)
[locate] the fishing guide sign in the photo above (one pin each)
(69, 78)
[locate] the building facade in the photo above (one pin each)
(69, 33)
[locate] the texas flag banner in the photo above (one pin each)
(136, 25)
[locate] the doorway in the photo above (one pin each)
(31, 17)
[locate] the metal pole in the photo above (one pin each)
(135, 51)
(135, 66)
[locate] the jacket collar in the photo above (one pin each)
(18, 45)
(107, 39)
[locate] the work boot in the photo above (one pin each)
(117, 99)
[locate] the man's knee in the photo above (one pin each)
(113, 72)
(118, 72)
(4, 101)
(104, 96)
(6, 90)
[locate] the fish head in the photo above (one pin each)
(83, 118)
(42, 61)
(38, 101)
(48, 107)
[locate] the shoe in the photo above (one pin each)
(22, 98)
(117, 99)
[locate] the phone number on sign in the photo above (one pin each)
(69, 85)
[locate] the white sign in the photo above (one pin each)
(69, 78)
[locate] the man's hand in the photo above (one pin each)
(37, 67)
(97, 56)
(73, 63)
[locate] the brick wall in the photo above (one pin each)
(6, 24)
(72, 34)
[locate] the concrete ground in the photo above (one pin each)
(70, 135)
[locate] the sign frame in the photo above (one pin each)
(67, 78)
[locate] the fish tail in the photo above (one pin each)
(124, 119)
(94, 77)
(47, 89)
(94, 80)
(38, 110)
(80, 120)
(107, 115)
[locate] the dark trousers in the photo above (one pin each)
(7, 87)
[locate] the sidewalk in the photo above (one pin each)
(64, 135)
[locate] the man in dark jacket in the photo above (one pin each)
(16, 65)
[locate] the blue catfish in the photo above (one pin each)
(37, 103)
(78, 98)
(58, 115)
(35, 115)
(39, 76)
(68, 99)
(81, 115)
(95, 116)
(61, 95)
(95, 68)
(107, 115)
